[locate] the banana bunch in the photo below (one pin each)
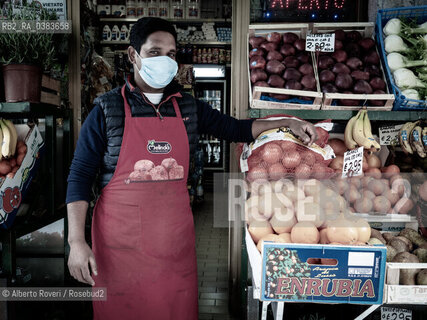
(358, 133)
(413, 138)
(9, 138)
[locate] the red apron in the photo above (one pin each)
(142, 228)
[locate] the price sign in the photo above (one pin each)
(353, 161)
(324, 42)
(389, 135)
(395, 314)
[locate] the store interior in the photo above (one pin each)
(214, 53)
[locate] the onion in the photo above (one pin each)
(287, 146)
(276, 171)
(287, 50)
(268, 237)
(363, 205)
(300, 44)
(325, 62)
(293, 85)
(274, 37)
(360, 75)
(283, 220)
(340, 34)
(353, 35)
(361, 86)
(337, 163)
(291, 159)
(306, 69)
(303, 57)
(256, 52)
(367, 43)
(291, 62)
(275, 67)
(276, 81)
(352, 195)
(372, 57)
(274, 55)
(340, 55)
(390, 171)
(261, 84)
(403, 206)
(393, 197)
(329, 88)
(257, 173)
(352, 49)
(271, 153)
(308, 158)
(289, 37)
(256, 41)
(292, 74)
(377, 83)
(381, 204)
(354, 63)
(269, 46)
(338, 146)
(308, 81)
(368, 194)
(343, 81)
(377, 187)
(340, 68)
(338, 44)
(326, 76)
(373, 161)
(303, 171)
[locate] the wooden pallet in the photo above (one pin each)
(301, 29)
(403, 294)
(367, 30)
(50, 93)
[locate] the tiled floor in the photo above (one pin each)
(212, 263)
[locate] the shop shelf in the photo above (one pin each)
(171, 20)
(341, 114)
(401, 102)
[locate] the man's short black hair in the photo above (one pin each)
(146, 26)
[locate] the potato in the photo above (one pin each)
(407, 241)
(391, 253)
(422, 278)
(305, 232)
(259, 229)
(407, 276)
(421, 253)
(399, 245)
(268, 237)
(376, 234)
(374, 241)
(282, 221)
(284, 238)
(388, 236)
(413, 236)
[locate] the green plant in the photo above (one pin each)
(35, 48)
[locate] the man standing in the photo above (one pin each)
(138, 139)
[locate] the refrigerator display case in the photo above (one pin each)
(211, 87)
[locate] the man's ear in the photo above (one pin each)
(132, 55)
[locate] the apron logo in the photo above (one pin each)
(157, 147)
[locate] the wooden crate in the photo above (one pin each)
(301, 29)
(50, 93)
(403, 294)
(367, 30)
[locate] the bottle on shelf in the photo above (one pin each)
(118, 8)
(153, 8)
(193, 9)
(177, 9)
(103, 8)
(131, 9)
(115, 33)
(164, 9)
(124, 33)
(141, 8)
(106, 33)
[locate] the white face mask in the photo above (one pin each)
(157, 72)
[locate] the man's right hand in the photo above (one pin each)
(81, 256)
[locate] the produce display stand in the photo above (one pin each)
(403, 294)
(367, 30)
(301, 29)
(420, 13)
(48, 173)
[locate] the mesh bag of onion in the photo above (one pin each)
(278, 154)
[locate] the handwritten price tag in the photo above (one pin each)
(353, 162)
(389, 135)
(395, 314)
(324, 42)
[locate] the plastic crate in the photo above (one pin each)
(401, 103)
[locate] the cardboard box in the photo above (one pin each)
(282, 273)
(12, 191)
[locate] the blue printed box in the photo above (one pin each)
(346, 274)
